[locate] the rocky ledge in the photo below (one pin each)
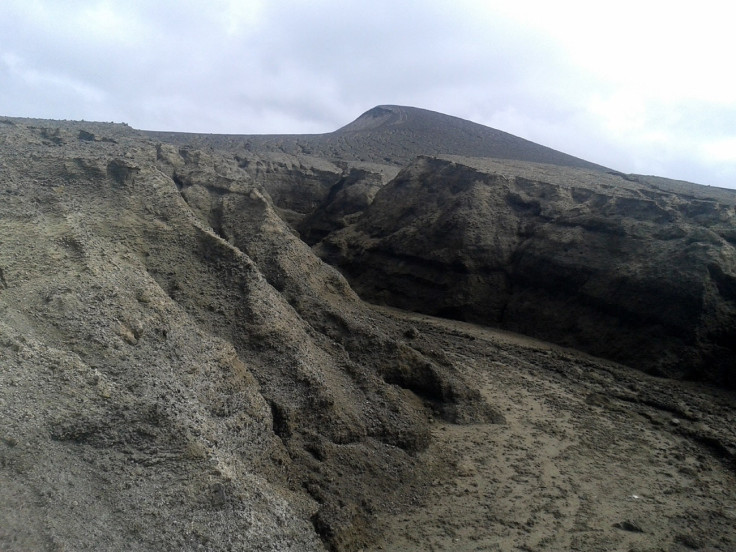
(635, 269)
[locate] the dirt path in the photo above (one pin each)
(592, 457)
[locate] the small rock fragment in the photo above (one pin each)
(629, 525)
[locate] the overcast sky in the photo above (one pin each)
(645, 87)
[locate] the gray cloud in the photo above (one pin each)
(297, 66)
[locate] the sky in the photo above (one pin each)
(642, 87)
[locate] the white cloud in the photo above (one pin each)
(719, 151)
(58, 88)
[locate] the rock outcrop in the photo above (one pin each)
(641, 273)
(637, 269)
(178, 369)
(326, 177)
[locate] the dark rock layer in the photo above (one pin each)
(619, 268)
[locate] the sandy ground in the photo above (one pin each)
(593, 457)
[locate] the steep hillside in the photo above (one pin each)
(634, 268)
(302, 172)
(397, 134)
(616, 267)
(178, 369)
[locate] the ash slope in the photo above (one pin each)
(179, 370)
(393, 135)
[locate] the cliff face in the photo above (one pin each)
(633, 268)
(178, 369)
(325, 177)
(619, 268)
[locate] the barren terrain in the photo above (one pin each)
(179, 370)
(593, 456)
